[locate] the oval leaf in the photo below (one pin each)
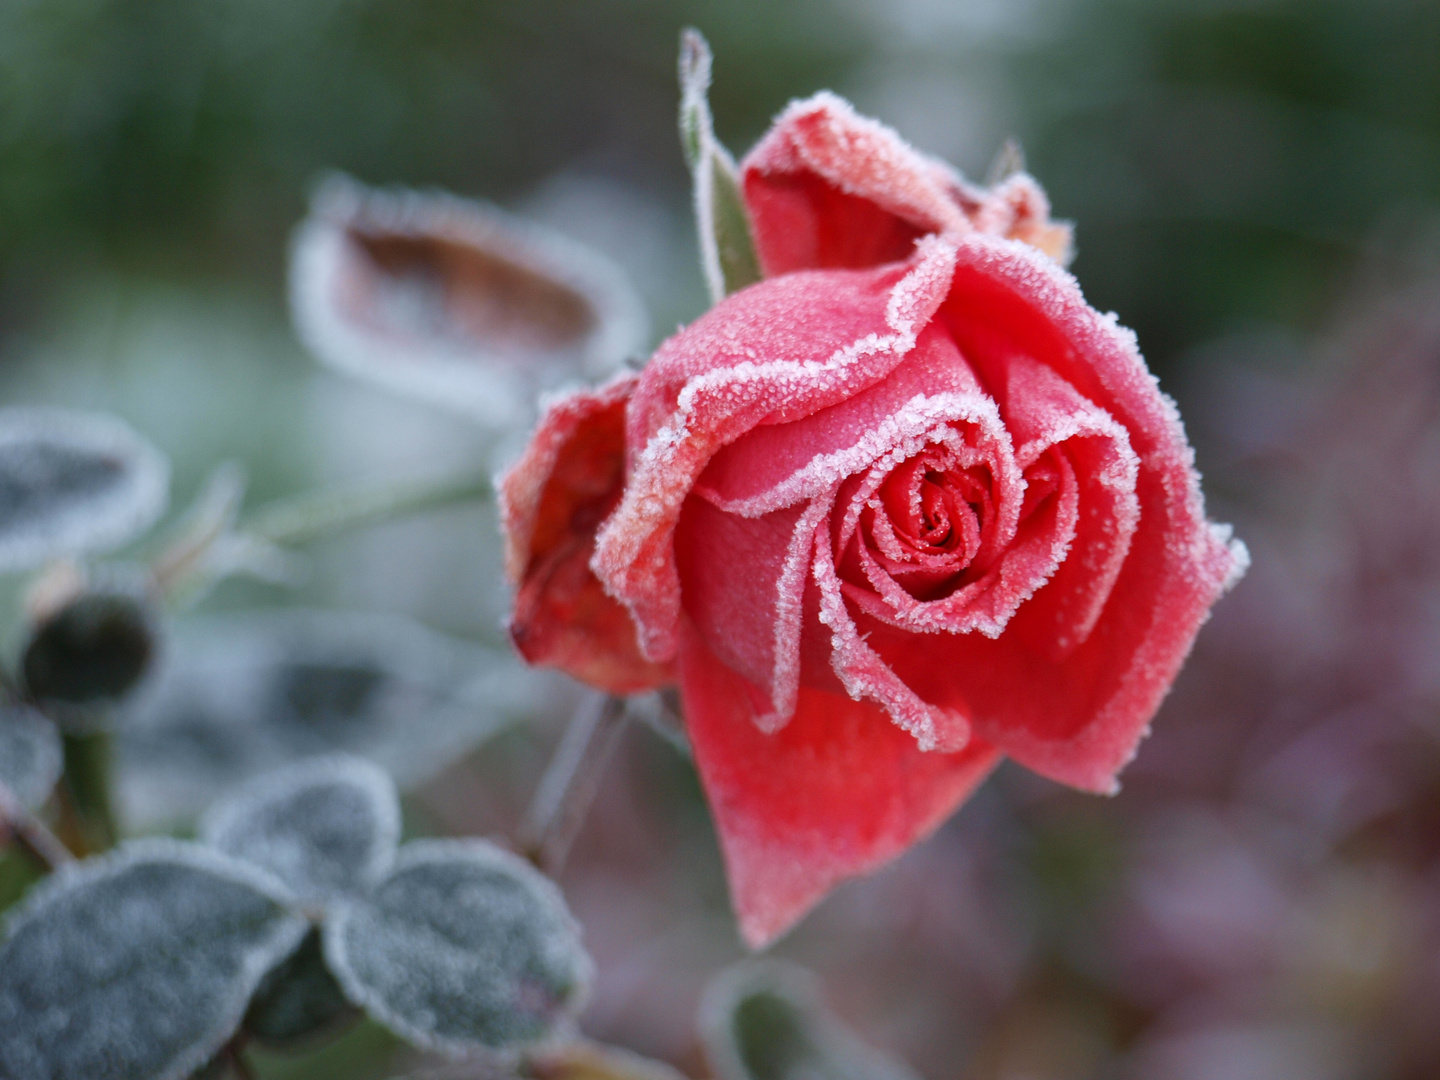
(298, 1000)
(238, 695)
(455, 302)
(463, 947)
(31, 757)
(136, 966)
(326, 827)
(73, 482)
(763, 1020)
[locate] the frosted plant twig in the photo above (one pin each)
(570, 782)
(30, 833)
(305, 517)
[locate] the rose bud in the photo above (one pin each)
(904, 507)
(94, 647)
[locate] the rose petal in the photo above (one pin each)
(708, 385)
(837, 793)
(551, 502)
(1078, 721)
(828, 188)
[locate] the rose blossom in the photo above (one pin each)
(903, 507)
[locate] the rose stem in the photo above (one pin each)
(30, 833)
(571, 779)
(87, 780)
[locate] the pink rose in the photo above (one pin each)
(904, 506)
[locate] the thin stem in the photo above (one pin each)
(30, 834)
(87, 781)
(300, 518)
(570, 781)
(234, 1054)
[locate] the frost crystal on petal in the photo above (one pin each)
(326, 827)
(453, 301)
(136, 965)
(73, 482)
(462, 947)
(30, 754)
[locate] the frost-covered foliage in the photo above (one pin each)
(298, 1000)
(30, 754)
(462, 946)
(455, 302)
(73, 482)
(237, 695)
(763, 1020)
(326, 827)
(136, 966)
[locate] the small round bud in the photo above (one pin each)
(95, 647)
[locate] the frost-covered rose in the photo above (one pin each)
(904, 507)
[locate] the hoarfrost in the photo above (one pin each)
(30, 754)
(326, 827)
(455, 302)
(137, 965)
(238, 695)
(73, 482)
(764, 1020)
(463, 947)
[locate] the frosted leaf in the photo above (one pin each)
(73, 482)
(455, 302)
(463, 947)
(727, 252)
(237, 695)
(137, 965)
(326, 827)
(31, 758)
(297, 1000)
(96, 647)
(764, 1020)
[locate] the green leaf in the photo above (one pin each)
(763, 1020)
(326, 827)
(31, 757)
(298, 1000)
(136, 966)
(73, 482)
(463, 947)
(727, 251)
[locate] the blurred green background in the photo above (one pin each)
(1237, 170)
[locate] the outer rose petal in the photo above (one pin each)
(837, 793)
(551, 502)
(827, 188)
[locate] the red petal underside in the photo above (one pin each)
(836, 793)
(829, 189)
(553, 500)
